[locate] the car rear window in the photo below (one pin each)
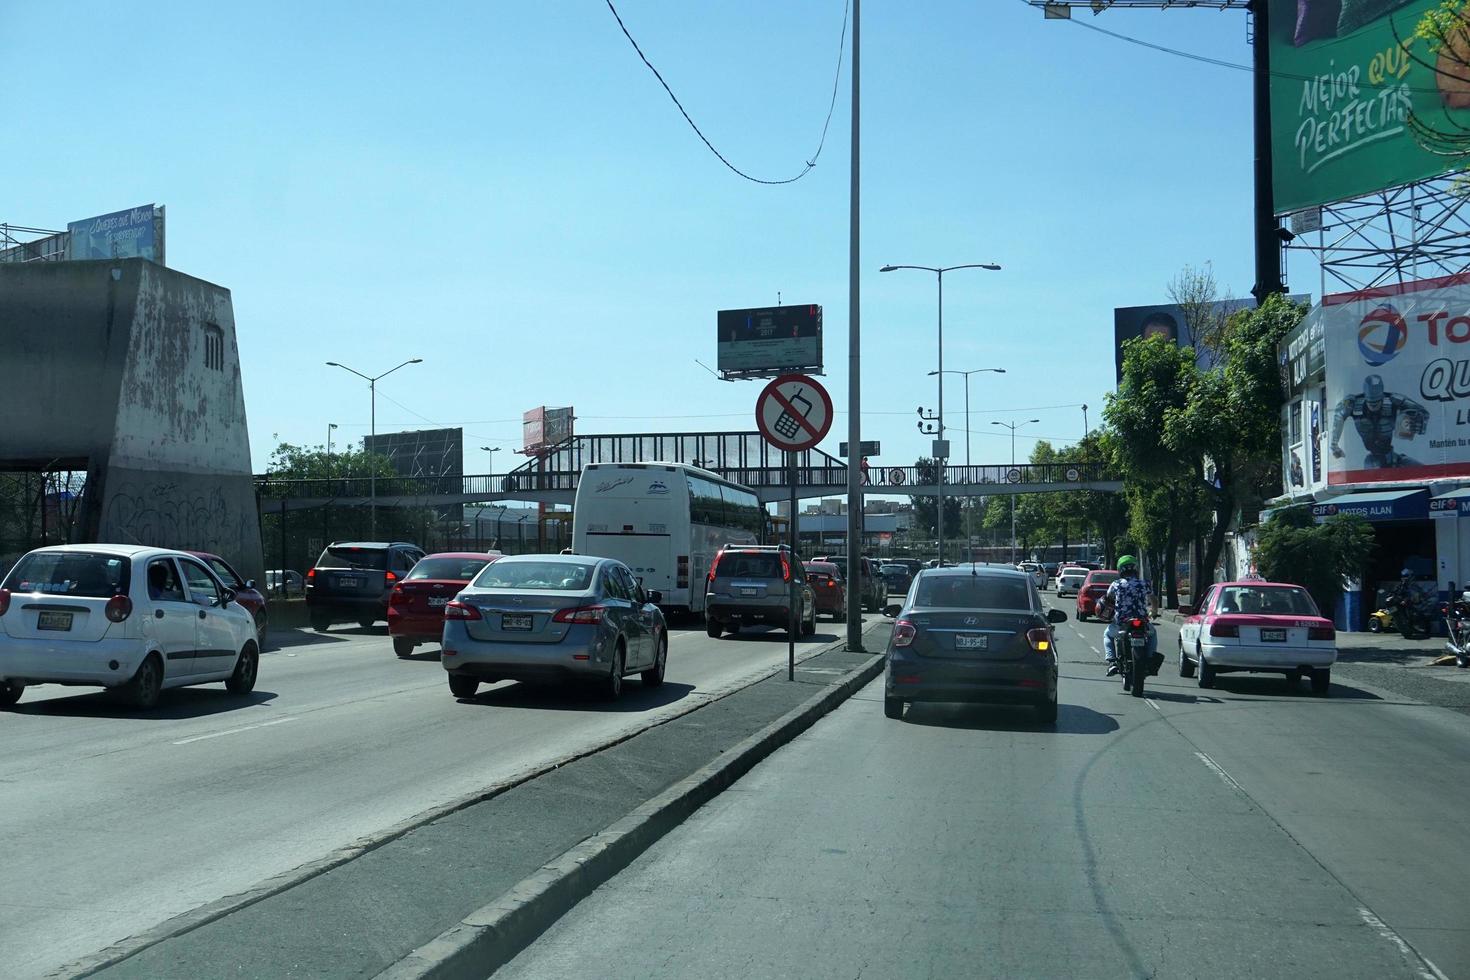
(348, 556)
(823, 568)
(737, 565)
(1266, 601)
(973, 592)
(76, 573)
(560, 576)
(460, 569)
(1103, 578)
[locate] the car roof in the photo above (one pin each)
(464, 554)
(558, 559)
(976, 568)
(120, 550)
(371, 544)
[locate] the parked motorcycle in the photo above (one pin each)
(1134, 662)
(1413, 613)
(1457, 627)
(1380, 621)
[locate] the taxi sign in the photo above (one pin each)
(793, 413)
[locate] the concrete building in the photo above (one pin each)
(129, 371)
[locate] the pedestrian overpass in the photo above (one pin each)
(742, 457)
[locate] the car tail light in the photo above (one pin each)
(583, 615)
(1314, 633)
(1224, 629)
(461, 610)
(904, 633)
(682, 581)
(4, 601)
(785, 568)
(1040, 639)
(119, 608)
(391, 577)
(398, 597)
(714, 565)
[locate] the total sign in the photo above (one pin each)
(1398, 382)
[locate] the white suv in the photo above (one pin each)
(120, 616)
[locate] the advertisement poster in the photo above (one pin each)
(1346, 77)
(1398, 382)
(121, 235)
(772, 340)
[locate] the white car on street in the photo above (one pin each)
(1037, 573)
(1260, 627)
(1070, 579)
(132, 618)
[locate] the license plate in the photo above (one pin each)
(515, 622)
(748, 591)
(53, 621)
(1273, 636)
(435, 601)
(964, 641)
(349, 583)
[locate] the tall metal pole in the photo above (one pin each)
(373, 470)
(938, 460)
(793, 621)
(1268, 243)
(969, 501)
(854, 365)
(1013, 497)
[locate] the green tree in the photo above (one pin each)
(292, 462)
(925, 509)
(1290, 547)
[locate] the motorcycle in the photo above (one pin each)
(1133, 658)
(1412, 613)
(1457, 627)
(1380, 621)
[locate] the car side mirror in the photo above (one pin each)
(892, 611)
(226, 597)
(655, 596)
(1056, 616)
(1186, 610)
(250, 583)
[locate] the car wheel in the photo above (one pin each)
(809, 627)
(144, 690)
(841, 616)
(1293, 680)
(655, 676)
(711, 628)
(731, 629)
(1206, 672)
(10, 692)
(403, 646)
(612, 686)
(892, 707)
(260, 625)
(1046, 712)
(1322, 681)
(242, 681)
(366, 622)
(463, 685)
(1082, 617)
(1186, 666)
(320, 622)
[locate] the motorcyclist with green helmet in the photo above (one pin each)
(1127, 598)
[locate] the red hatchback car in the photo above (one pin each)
(246, 594)
(416, 604)
(826, 581)
(1094, 587)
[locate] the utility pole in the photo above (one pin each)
(854, 364)
(1013, 426)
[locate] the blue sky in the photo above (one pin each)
(504, 190)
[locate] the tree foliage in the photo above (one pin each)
(292, 462)
(925, 509)
(1292, 548)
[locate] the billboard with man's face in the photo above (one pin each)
(1398, 382)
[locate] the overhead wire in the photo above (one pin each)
(821, 143)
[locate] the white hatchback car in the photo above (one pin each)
(1070, 579)
(121, 616)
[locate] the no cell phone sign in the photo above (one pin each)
(793, 412)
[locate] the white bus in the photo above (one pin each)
(665, 521)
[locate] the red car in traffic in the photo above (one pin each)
(1094, 587)
(416, 604)
(826, 580)
(246, 594)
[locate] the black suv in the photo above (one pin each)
(353, 579)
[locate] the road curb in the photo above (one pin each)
(494, 934)
(196, 918)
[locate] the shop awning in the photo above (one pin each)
(1384, 505)
(1455, 503)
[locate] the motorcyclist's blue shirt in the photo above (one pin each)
(1128, 598)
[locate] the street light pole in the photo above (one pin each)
(939, 461)
(1013, 426)
(492, 450)
(373, 428)
(330, 427)
(969, 511)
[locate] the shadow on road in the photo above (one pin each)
(175, 705)
(285, 639)
(1072, 719)
(545, 697)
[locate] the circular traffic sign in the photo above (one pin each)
(895, 476)
(1013, 475)
(793, 412)
(1073, 474)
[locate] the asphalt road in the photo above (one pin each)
(1245, 831)
(115, 821)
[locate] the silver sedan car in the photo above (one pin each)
(554, 618)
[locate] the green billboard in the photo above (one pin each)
(1345, 77)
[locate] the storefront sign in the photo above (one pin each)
(1409, 505)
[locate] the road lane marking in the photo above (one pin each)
(1154, 706)
(233, 731)
(1217, 770)
(1429, 972)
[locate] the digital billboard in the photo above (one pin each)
(1169, 320)
(1346, 75)
(770, 341)
(134, 233)
(1398, 382)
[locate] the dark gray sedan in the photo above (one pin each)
(554, 619)
(973, 633)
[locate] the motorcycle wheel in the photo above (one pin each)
(1375, 625)
(1138, 678)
